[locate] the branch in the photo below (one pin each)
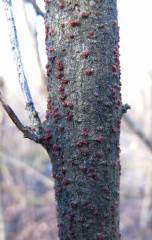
(36, 7)
(133, 126)
(33, 115)
(30, 170)
(27, 131)
(34, 34)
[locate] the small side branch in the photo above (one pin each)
(27, 131)
(133, 126)
(38, 11)
(33, 115)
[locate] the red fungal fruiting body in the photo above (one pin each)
(83, 168)
(84, 132)
(64, 81)
(61, 4)
(51, 49)
(73, 205)
(63, 97)
(91, 207)
(92, 174)
(61, 129)
(119, 102)
(91, 34)
(84, 15)
(50, 58)
(62, 24)
(46, 31)
(118, 148)
(47, 1)
(96, 94)
(47, 136)
(81, 143)
(114, 130)
(65, 104)
(66, 181)
(47, 115)
(47, 66)
(85, 53)
(100, 139)
(100, 237)
(98, 155)
(63, 170)
(88, 72)
(118, 124)
(70, 105)
(49, 106)
(59, 75)
(59, 64)
(63, 50)
(52, 32)
(115, 22)
(71, 35)
(61, 89)
(69, 116)
(98, 13)
(114, 68)
(84, 151)
(55, 112)
(56, 148)
(57, 177)
(56, 115)
(74, 23)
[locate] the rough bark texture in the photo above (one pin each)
(83, 116)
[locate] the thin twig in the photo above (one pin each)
(138, 131)
(36, 8)
(27, 131)
(34, 118)
(33, 32)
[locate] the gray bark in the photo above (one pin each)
(83, 116)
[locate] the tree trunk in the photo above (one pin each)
(83, 117)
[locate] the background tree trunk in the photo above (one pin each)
(83, 116)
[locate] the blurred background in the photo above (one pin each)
(26, 187)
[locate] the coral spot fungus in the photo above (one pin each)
(74, 23)
(88, 72)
